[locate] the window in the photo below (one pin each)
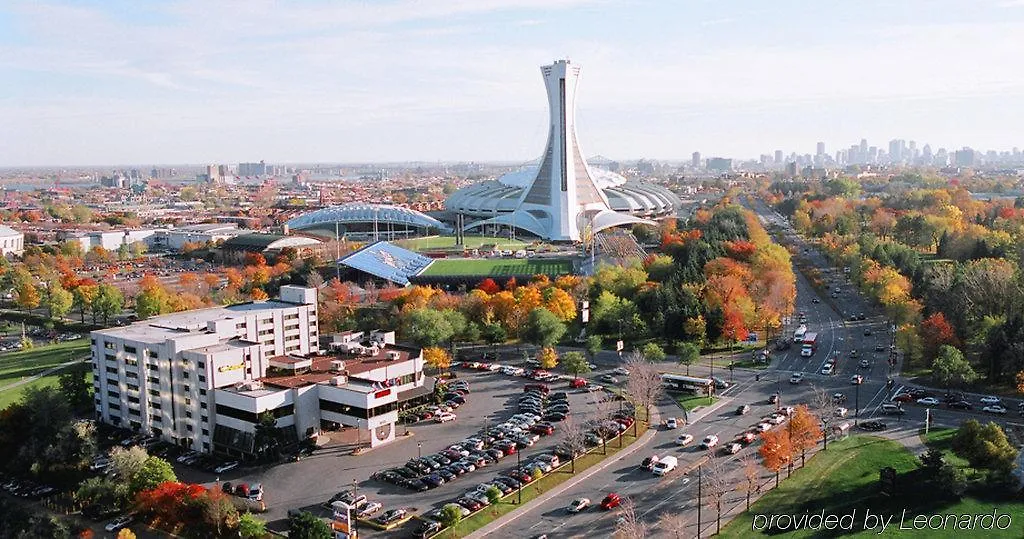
(150, 353)
(204, 419)
(291, 317)
(188, 414)
(188, 401)
(206, 433)
(110, 357)
(154, 393)
(188, 428)
(132, 387)
(156, 419)
(291, 338)
(240, 325)
(201, 365)
(113, 394)
(133, 400)
(131, 374)
(111, 382)
(186, 389)
(152, 367)
(185, 375)
(153, 380)
(131, 361)
(112, 370)
(206, 445)
(114, 406)
(108, 345)
(130, 349)
(265, 332)
(202, 405)
(290, 327)
(202, 392)
(132, 411)
(202, 378)
(156, 406)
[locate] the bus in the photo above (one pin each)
(678, 382)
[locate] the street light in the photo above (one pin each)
(519, 469)
(419, 450)
(856, 412)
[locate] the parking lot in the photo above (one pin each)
(311, 482)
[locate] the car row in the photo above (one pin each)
(24, 488)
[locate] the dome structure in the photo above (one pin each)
(562, 196)
(367, 220)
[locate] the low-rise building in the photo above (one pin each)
(12, 242)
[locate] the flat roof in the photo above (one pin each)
(160, 328)
(320, 370)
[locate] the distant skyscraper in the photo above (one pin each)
(895, 155)
(792, 169)
(695, 160)
(719, 164)
(821, 149)
(252, 169)
(778, 157)
(964, 157)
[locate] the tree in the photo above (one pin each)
(59, 300)
(775, 451)
(125, 533)
(548, 358)
(543, 328)
(152, 298)
(630, 525)
(154, 471)
(688, 354)
(575, 363)
(306, 525)
(594, 344)
(935, 332)
(951, 369)
(673, 524)
(74, 386)
(98, 490)
(128, 462)
(438, 358)
(643, 385)
(108, 302)
(653, 352)
(751, 476)
(493, 333)
(575, 439)
(493, 494)
(218, 512)
(826, 408)
(251, 527)
(804, 431)
(984, 446)
(26, 295)
(451, 515)
(427, 327)
(716, 485)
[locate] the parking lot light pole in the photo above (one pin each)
(856, 413)
(519, 469)
(351, 518)
(419, 450)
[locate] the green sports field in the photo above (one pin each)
(499, 267)
(448, 242)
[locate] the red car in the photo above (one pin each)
(577, 383)
(520, 476)
(543, 430)
(903, 397)
(625, 421)
(611, 501)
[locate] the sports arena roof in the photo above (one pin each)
(387, 261)
(266, 242)
(366, 213)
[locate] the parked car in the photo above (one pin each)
(369, 509)
(962, 405)
(672, 423)
(865, 364)
(902, 397)
(391, 515)
(796, 378)
(118, 523)
(856, 379)
(469, 503)
(226, 467)
(990, 400)
(445, 417)
(928, 401)
(872, 426)
(994, 409)
(427, 528)
(709, 441)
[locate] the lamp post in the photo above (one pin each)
(699, 499)
(351, 519)
(419, 450)
(856, 411)
(519, 469)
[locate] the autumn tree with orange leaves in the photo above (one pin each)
(776, 451)
(804, 431)
(936, 331)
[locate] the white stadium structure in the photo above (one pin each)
(562, 197)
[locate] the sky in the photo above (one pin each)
(108, 82)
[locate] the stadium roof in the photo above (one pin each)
(264, 242)
(366, 213)
(387, 261)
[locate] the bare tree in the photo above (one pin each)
(673, 524)
(752, 475)
(716, 485)
(826, 407)
(643, 385)
(575, 439)
(630, 525)
(604, 411)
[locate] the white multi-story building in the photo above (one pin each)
(12, 242)
(201, 379)
(159, 375)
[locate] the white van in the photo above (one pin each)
(665, 465)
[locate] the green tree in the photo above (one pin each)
(267, 436)
(493, 494)
(951, 369)
(984, 446)
(84, 296)
(428, 327)
(127, 462)
(593, 345)
(575, 363)
(154, 471)
(653, 352)
(688, 354)
(75, 387)
(108, 302)
(451, 514)
(59, 301)
(26, 294)
(98, 490)
(251, 527)
(493, 333)
(543, 328)
(46, 413)
(306, 525)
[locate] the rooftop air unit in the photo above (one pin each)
(394, 355)
(339, 381)
(337, 365)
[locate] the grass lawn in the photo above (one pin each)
(692, 402)
(448, 242)
(15, 366)
(845, 479)
(548, 482)
(500, 267)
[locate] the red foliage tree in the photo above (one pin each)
(935, 332)
(255, 259)
(167, 501)
(511, 284)
(740, 249)
(733, 328)
(488, 285)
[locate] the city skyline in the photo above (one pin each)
(115, 83)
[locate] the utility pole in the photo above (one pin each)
(519, 469)
(856, 413)
(700, 501)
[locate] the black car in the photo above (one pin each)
(494, 454)
(560, 396)
(962, 405)
(510, 482)
(873, 426)
(406, 472)
(391, 515)
(867, 332)
(446, 474)
(417, 466)
(416, 485)
(558, 408)
(440, 458)
(427, 528)
(458, 468)
(557, 416)
(742, 409)
(386, 476)
(433, 480)
(431, 462)
(774, 398)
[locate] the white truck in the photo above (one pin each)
(810, 345)
(665, 465)
(798, 335)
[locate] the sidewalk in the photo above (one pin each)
(539, 500)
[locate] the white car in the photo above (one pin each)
(828, 369)
(733, 448)
(370, 508)
(787, 411)
(445, 417)
(622, 371)
(856, 379)
(709, 442)
(928, 401)
(672, 423)
(684, 439)
(226, 467)
(777, 419)
(841, 412)
(118, 523)
(990, 400)
(796, 378)
(764, 427)
(577, 505)
(994, 409)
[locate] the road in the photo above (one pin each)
(676, 493)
